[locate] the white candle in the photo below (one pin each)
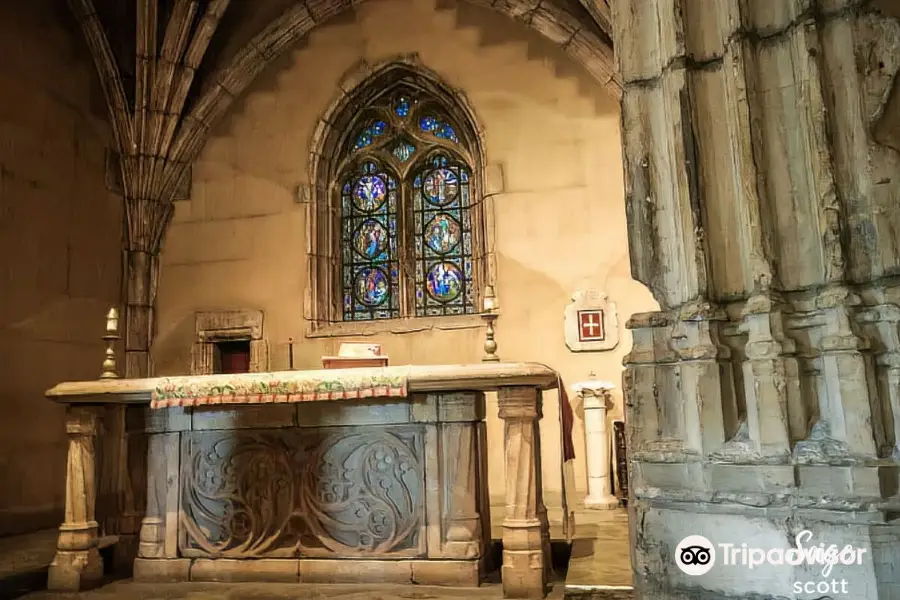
(490, 301)
(112, 321)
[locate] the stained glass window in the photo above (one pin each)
(368, 135)
(406, 227)
(443, 238)
(369, 231)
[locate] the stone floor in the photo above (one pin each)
(601, 553)
(127, 590)
(598, 569)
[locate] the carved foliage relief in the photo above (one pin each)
(336, 492)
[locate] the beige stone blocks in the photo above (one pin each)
(454, 573)
(170, 570)
(233, 571)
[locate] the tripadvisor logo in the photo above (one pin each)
(695, 555)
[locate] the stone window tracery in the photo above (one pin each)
(407, 236)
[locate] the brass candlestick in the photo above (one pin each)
(490, 315)
(112, 335)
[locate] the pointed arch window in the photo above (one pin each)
(408, 239)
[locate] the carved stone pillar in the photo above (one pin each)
(881, 324)
(846, 427)
(460, 415)
(771, 387)
(526, 558)
(152, 536)
(121, 488)
(596, 400)
(462, 522)
(77, 563)
(762, 216)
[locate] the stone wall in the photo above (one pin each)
(552, 148)
(60, 248)
(761, 185)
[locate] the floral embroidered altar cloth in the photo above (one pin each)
(281, 387)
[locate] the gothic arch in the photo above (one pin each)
(549, 20)
(364, 79)
(329, 158)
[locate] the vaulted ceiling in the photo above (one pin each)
(243, 19)
(171, 69)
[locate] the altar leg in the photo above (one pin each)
(77, 563)
(526, 560)
(153, 527)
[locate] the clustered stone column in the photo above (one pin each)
(154, 146)
(762, 202)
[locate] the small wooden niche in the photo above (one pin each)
(229, 342)
(231, 356)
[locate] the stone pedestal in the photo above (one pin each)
(596, 401)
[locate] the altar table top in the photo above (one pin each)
(370, 383)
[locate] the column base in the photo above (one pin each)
(523, 574)
(609, 502)
(74, 570)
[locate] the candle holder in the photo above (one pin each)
(111, 337)
(489, 315)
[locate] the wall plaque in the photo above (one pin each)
(591, 323)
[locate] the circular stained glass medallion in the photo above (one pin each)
(368, 194)
(371, 286)
(370, 239)
(444, 282)
(442, 233)
(441, 186)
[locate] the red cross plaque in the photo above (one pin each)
(590, 326)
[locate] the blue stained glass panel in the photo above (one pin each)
(368, 193)
(428, 123)
(370, 240)
(401, 109)
(403, 151)
(444, 281)
(446, 132)
(367, 136)
(372, 286)
(443, 239)
(369, 244)
(439, 129)
(423, 215)
(442, 233)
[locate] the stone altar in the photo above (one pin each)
(319, 489)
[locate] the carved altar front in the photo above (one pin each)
(310, 483)
(321, 490)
